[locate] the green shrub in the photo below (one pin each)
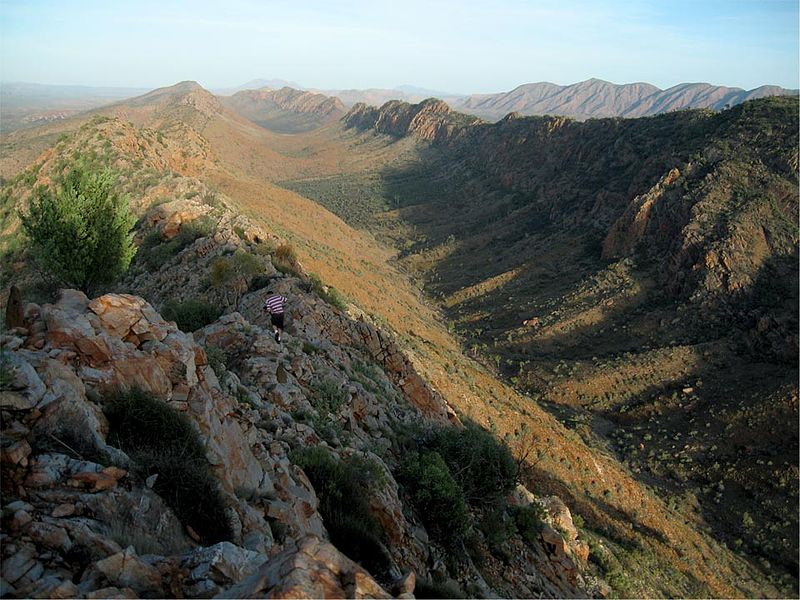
(482, 465)
(330, 430)
(157, 251)
(162, 441)
(161, 254)
(327, 293)
(343, 489)
(6, 370)
(232, 275)
(328, 396)
(529, 521)
(436, 495)
(190, 315)
(81, 231)
(259, 282)
(217, 360)
(194, 230)
(210, 199)
(497, 528)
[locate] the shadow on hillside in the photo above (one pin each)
(502, 231)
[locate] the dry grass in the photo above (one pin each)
(668, 554)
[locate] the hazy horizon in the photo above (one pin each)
(404, 87)
(460, 48)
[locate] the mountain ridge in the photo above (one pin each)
(279, 109)
(648, 543)
(595, 98)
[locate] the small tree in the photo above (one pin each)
(81, 231)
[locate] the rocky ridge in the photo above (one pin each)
(430, 120)
(285, 109)
(78, 520)
(292, 100)
(182, 262)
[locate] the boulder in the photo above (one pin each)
(26, 388)
(312, 569)
(126, 569)
(120, 313)
(223, 563)
(562, 518)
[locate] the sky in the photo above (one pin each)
(467, 46)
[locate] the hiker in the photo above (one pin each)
(275, 305)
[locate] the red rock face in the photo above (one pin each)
(430, 120)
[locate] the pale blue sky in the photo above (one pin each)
(458, 46)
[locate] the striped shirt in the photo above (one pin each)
(275, 304)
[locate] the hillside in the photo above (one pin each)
(180, 153)
(595, 98)
(641, 269)
(285, 110)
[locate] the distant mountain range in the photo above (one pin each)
(598, 98)
(255, 84)
(593, 98)
(26, 104)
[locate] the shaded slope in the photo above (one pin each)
(615, 264)
(661, 555)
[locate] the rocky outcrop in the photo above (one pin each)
(83, 522)
(288, 99)
(312, 569)
(430, 120)
(629, 229)
(92, 348)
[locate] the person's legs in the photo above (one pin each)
(277, 326)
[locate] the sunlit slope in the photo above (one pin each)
(660, 551)
(668, 548)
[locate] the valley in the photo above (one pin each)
(526, 260)
(616, 299)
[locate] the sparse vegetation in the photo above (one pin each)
(217, 359)
(328, 293)
(426, 588)
(6, 370)
(162, 441)
(343, 488)
(529, 521)
(190, 315)
(328, 396)
(482, 465)
(232, 276)
(285, 260)
(156, 251)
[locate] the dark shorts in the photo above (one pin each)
(277, 320)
